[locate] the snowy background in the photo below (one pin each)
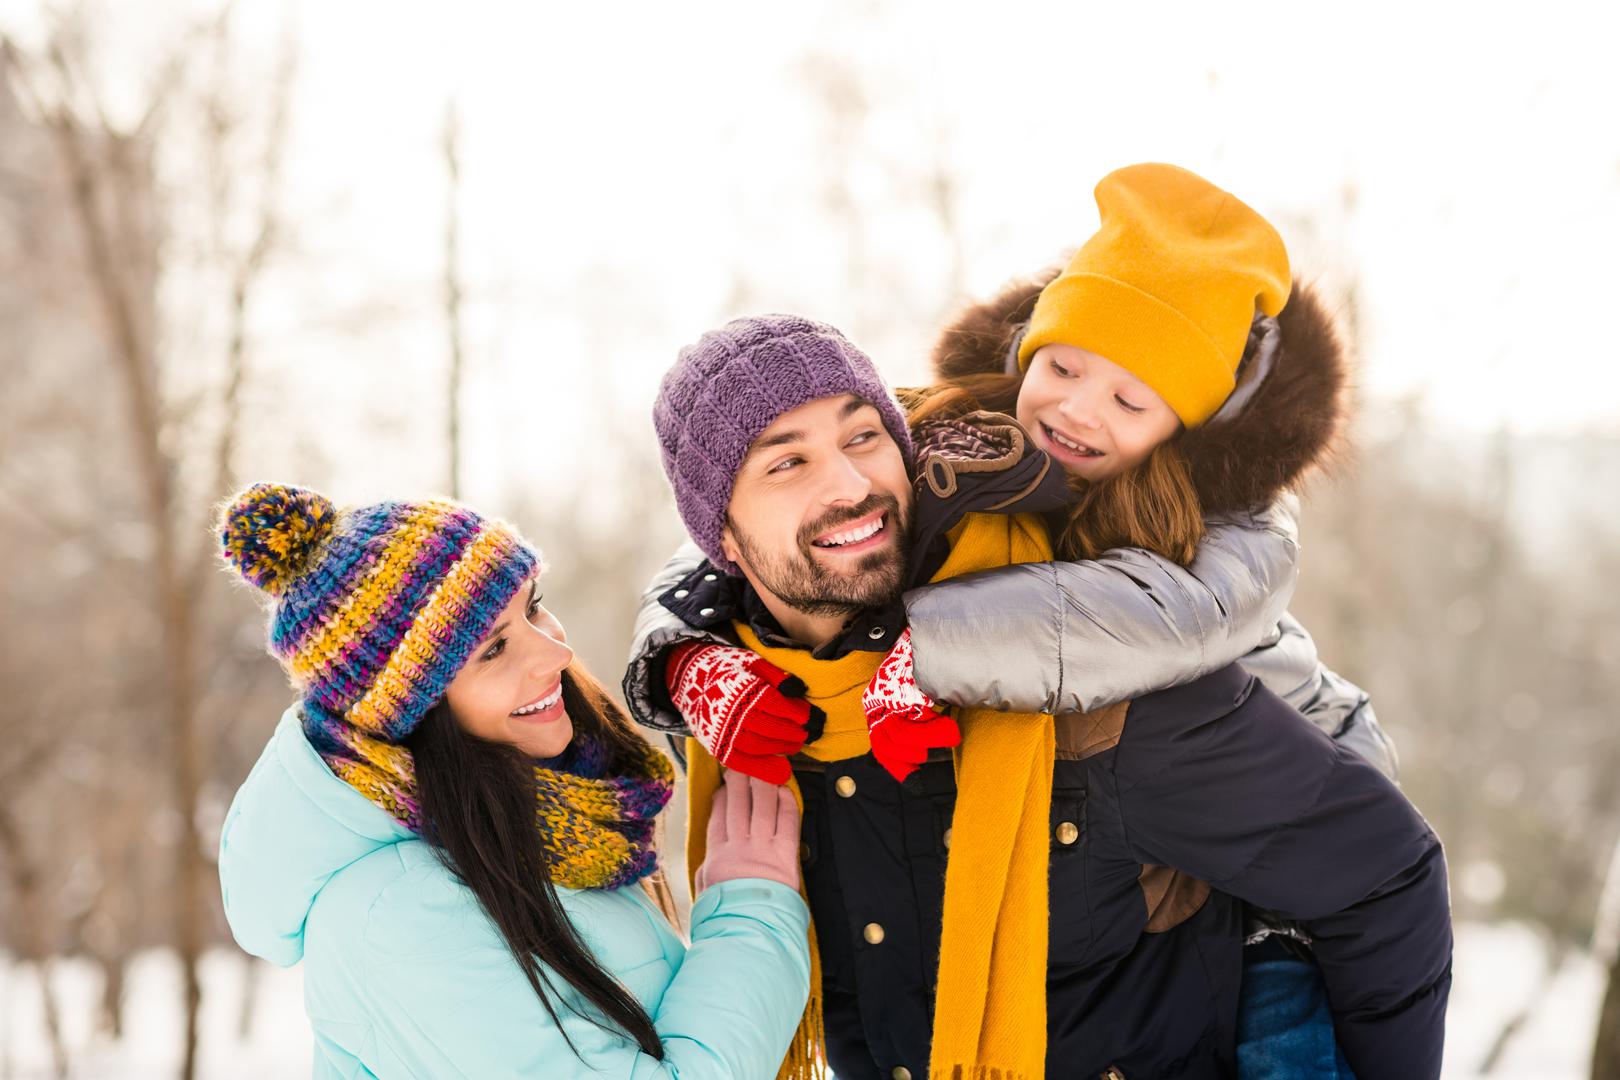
(1498, 969)
(316, 219)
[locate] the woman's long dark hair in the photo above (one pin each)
(479, 812)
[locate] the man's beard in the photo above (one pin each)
(802, 582)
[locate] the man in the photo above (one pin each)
(791, 465)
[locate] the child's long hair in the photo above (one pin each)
(1153, 506)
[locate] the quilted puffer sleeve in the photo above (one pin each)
(1073, 636)
(657, 630)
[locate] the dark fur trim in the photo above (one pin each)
(976, 341)
(1292, 425)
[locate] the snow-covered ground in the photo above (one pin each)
(1498, 968)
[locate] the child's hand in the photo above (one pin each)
(904, 722)
(746, 711)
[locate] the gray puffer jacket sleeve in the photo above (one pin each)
(657, 630)
(1287, 663)
(1073, 636)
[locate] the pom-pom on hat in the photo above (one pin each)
(271, 533)
(376, 608)
(1167, 287)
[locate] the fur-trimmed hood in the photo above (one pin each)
(1291, 425)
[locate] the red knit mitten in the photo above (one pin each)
(746, 711)
(904, 722)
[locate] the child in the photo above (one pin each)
(1176, 373)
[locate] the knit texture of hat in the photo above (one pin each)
(375, 608)
(1167, 287)
(731, 385)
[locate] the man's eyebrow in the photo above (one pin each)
(782, 438)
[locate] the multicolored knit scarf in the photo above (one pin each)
(597, 830)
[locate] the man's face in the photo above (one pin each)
(820, 509)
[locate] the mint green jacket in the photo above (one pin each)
(405, 975)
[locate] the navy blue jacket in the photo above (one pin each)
(1220, 780)
(1167, 813)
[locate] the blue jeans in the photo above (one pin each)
(1285, 1029)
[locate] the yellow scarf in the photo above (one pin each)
(836, 686)
(990, 1005)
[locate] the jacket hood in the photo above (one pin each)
(1293, 423)
(292, 825)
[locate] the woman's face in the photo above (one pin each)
(1095, 418)
(510, 690)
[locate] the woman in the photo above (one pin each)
(454, 827)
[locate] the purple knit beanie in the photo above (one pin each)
(731, 385)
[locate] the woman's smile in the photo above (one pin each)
(545, 708)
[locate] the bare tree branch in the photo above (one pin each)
(452, 286)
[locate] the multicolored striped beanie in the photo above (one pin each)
(374, 608)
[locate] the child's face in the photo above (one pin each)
(1095, 418)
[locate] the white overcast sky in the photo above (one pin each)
(627, 161)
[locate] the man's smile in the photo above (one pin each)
(856, 537)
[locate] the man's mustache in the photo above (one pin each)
(830, 521)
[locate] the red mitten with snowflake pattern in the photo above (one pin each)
(746, 711)
(903, 722)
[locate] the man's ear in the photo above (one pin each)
(728, 546)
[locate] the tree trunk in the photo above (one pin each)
(1606, 945)
(1606, 1054)
(453, 290)
(173, 584)
(105, 181)
(32, 932)
(251, 977)
(112, 996)
(53, 1019)
(191, 869)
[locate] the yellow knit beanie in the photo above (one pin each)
(1167, 287)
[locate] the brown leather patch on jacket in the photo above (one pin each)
(1172, 897)
(1082, 735)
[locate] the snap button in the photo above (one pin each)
(706, 612)
(1068, 832)
(947, 838)
(901, 1073)
(845, 786)
(708, 577)
(804, 852)
(876, 632)
(682, 594)
(873, 934)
